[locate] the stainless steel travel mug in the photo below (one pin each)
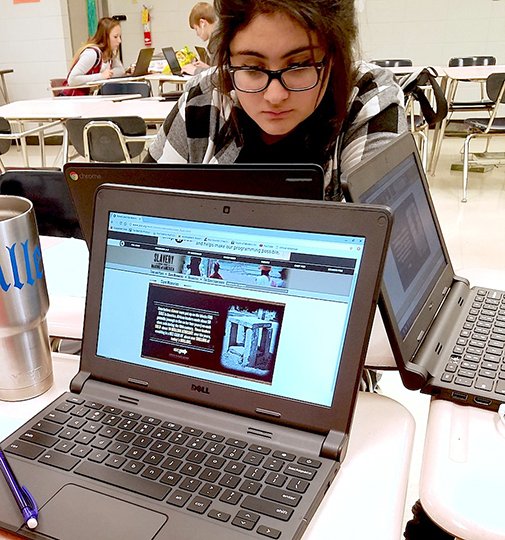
(25, 355)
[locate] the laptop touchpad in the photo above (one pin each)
(76, 513)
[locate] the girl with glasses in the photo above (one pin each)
(286, 89)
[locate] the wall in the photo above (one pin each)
(35, 42)
(35, 37)
(169, 25)
(432, 31)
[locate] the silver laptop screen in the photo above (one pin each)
(415, 258)
(255, 308)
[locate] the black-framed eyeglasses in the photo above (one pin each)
(294, 78)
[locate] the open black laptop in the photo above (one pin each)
(447, 338)
(297, 181)
(223, 345)
(203, 55)
(173, 62)
(141, 65)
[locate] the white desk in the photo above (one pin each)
(62, 108)
(462, 474)
(47, 110)
(66, 270)
(367, 498)
(161, 79)
(451, 76)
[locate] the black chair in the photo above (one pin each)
(48, 191)
(114, 139)
(393, 62)
(5, 142)
(130, 87)
(464, 61)
(482, 104)
(425, 105)
(485, 127)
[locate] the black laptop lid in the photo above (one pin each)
(418, 273)
(172, 61)
(297, 181)
(143, 60)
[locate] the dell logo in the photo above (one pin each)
(199, 388)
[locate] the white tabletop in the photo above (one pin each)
(62, 108)
(66, 271)
(462, 475)
(474, 73)
(367, 498)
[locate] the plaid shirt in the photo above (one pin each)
(199, 130)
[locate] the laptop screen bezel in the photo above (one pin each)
(373, 223)
(355, 185)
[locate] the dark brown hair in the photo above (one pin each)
(332, 20)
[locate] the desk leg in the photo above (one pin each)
(3, 88)
(42, 145)
(438, 135)
(64, 151)
(22, 142)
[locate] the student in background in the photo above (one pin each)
(99, 58)
(202, 19)
(286, 89)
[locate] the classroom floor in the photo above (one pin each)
(473, 233)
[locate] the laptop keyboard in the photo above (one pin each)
(227, 479)
(477, 359)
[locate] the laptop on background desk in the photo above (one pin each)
(206, 406)
(447, 338)
(141, 65)
(203, 55)
(297, 181)
(173, 62)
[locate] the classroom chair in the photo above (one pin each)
(488, 127)
(131, 87)
(392, 62)
(5, 143)
(479, 105)
(48, 191)
(7, 136)
(114, 139)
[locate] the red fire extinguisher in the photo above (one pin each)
(146, 23)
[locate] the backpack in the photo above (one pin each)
(415, 86)
(95, 68)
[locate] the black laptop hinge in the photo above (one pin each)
(335, 446)
(78, 381)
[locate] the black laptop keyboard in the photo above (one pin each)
(227, 479)
(477, 359)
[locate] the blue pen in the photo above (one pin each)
(26, 502)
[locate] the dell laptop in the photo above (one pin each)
(447, 338)
(210, 402)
